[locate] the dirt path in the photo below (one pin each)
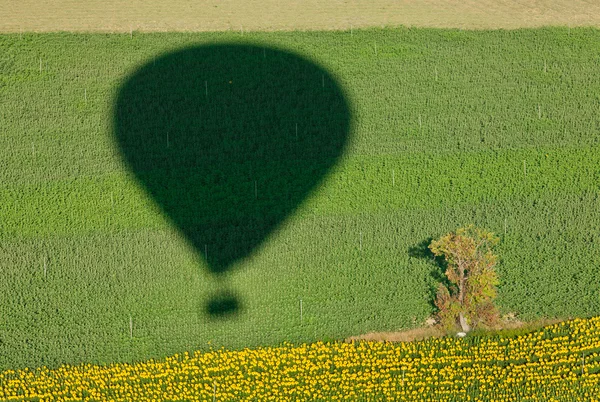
(219, 15)
(430, 331)
(416, 334)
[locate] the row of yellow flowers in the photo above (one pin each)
(558, 363)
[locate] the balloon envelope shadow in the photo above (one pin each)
(228, 140)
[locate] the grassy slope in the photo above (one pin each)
(486, 102)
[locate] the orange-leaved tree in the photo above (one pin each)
(467, 299)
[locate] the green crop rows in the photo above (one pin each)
(448, 127)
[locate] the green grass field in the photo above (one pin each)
(447, 128)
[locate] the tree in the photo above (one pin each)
(467, 299)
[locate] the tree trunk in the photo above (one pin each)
(463, 323)
(461, 284)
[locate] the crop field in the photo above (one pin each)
(289, 15)
(557, 363)
(306, 173)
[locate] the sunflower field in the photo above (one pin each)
(558, 362)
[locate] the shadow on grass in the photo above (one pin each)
(229, 140)
(438, 267)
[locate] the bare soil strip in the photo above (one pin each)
(416, 334)
(269, 15)
(430, 331)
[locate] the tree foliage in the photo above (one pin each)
(468, 296)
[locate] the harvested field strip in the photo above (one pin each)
(253, 15)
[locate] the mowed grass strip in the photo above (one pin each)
(496, 128)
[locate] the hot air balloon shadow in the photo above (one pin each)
(228, 140)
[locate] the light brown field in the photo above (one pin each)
(508, 323)
(218, 15)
